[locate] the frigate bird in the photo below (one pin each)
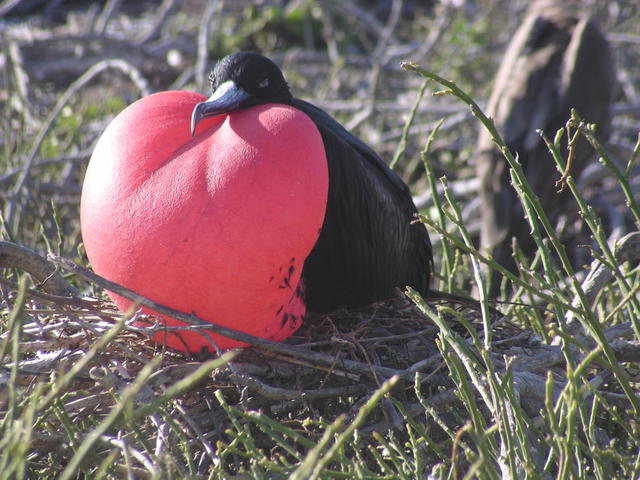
(370, 242)
(558, 60)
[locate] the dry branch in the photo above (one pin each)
(600, 275)
(17, 256)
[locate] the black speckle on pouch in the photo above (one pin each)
(286, 281)
(285, 274)
(280, 310)
(285, 319)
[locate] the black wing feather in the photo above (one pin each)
(368, 245)
(323, 120)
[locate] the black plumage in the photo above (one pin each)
(369, 243)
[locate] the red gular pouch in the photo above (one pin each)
(218, 225)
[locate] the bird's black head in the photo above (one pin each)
(242, 80)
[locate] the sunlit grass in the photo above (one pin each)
(584, 426)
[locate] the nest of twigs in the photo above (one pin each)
(329, 367)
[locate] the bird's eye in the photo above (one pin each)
(264, 83)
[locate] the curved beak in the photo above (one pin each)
(227, 97)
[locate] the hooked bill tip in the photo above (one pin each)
(196, 116)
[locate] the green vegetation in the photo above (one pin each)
(548, 389)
